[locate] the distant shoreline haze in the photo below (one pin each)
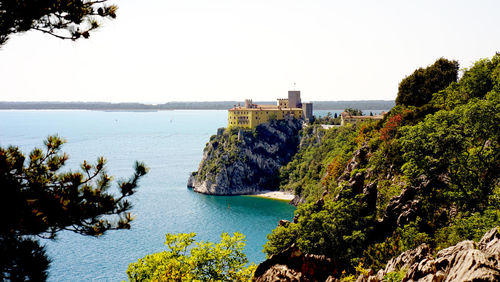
(216, 105)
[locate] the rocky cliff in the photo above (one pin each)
(237, 161)
(466, 261)
(293, 265)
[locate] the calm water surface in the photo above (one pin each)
(171, 144)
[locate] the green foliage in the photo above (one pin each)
(221, 149)
(41, 201)
(462, 144)
(337, 229)
(62, 19)
(351, 277)
(354, 112)
(281, 238)
(403, 239)
(206, 261)
(450, 142)
(22, 259)
(303, 174)
(467, 227)
(387, 189)
(417, 88)
(479, 80)
(328, 119)
(395, 276)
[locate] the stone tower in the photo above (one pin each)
(294, 99)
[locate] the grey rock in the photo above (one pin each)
(293, 265)
(490, 242)
(405, 207)
(408, 258)
(297, 200)
(248, 162)
(359, 158)
(466, 261)
(191, 179)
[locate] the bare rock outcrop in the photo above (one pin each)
(297, 200)
(359, 158)
(293, 265)
(466, 261)
(405, 207)
(237, 162)
(356, 181)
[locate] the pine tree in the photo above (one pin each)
(39, 201)
(64, 19)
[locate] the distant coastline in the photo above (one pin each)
(219, 105)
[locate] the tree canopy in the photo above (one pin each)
(437, 155)
(41, 201)
(224, 261)
(417, 88)
(354, 112)
(64, 19)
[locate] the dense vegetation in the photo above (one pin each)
(224, 261)
(437, 155)
(320, 150)
(417, 88)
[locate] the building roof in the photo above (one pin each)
(263, 108)
(348, 115)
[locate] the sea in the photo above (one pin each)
(171, 144)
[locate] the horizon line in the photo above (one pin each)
(213, 101)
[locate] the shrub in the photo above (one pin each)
(206, 261)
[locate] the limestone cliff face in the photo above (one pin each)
(237, 162)
(466, 261)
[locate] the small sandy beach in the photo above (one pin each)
(277, 195)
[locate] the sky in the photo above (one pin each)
(157, 51)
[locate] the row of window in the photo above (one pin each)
(245, 113)
(246, 117)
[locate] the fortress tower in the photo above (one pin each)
(294, 99)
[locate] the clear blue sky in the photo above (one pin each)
(197, 50)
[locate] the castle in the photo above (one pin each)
(251, 115)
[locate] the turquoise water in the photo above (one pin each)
(171, 144)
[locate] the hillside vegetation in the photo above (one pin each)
(428, 172)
